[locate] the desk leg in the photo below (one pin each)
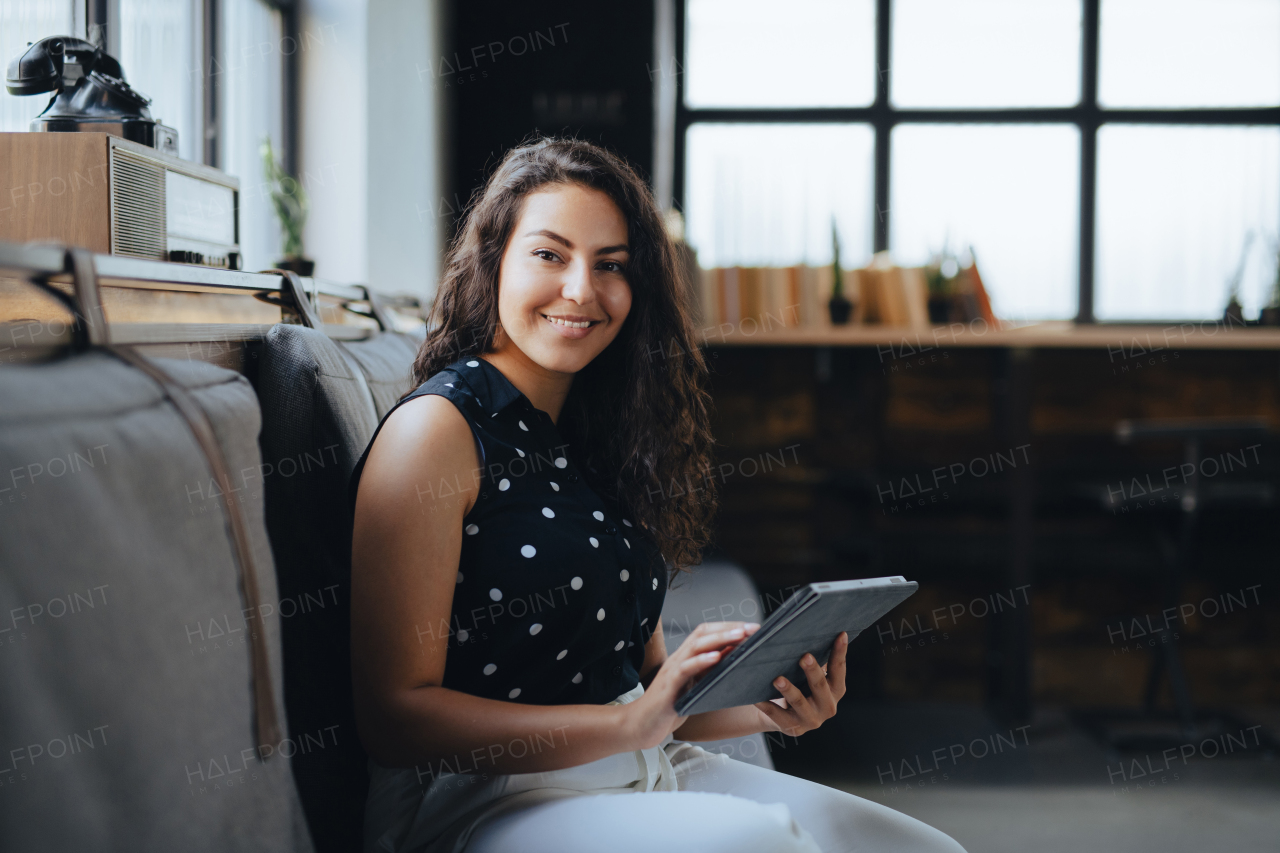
(1013, 693)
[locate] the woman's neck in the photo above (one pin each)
(545, 389)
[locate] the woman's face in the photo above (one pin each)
(562, 287)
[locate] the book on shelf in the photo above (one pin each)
(761, 299)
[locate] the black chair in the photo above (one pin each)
(1150, 728)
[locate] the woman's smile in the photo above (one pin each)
(572, 326)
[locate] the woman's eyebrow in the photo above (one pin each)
(553, 235)
(544, 232)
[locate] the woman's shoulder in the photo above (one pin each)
(428, 433)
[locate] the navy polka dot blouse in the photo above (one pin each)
(557, 591)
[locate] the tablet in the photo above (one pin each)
(808, 621)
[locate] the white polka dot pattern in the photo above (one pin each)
(528, 551)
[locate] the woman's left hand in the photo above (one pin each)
(796, 713)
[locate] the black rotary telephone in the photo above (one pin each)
(89, 93)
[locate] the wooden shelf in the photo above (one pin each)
(901, 342)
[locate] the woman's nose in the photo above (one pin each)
(578, 286)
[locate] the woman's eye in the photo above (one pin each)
(612, 266)
(546, 254)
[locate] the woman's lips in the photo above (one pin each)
(573, 331)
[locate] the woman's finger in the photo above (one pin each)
(795, 699)
(837, 664)
(819, 690)
(697, 663)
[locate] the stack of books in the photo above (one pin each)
(762, 299)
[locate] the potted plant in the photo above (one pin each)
(940, 276)
(1270, 315)
(291, 205)
(839, 306)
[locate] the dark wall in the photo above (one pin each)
(566, 67)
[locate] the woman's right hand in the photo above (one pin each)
(652, 717)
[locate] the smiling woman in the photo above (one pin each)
(509, 667)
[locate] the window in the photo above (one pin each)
(163, 50)
(251, 109)
(20, 24)
(1109, 159)
(160, 52)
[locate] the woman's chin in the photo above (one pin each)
(559, 358)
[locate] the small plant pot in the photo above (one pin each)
(840, 309)
(302, 266)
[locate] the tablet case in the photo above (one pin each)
(808, 621)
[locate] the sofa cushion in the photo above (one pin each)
(385, 360)
(127, 712)
(317, 417)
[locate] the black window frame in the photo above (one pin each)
(1087, 116)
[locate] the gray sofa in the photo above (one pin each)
(135, 676)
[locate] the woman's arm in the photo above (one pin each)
(405, 552)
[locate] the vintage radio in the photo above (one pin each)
(114, 196)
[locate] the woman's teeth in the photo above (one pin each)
(572, 325)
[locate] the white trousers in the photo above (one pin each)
(671, 798)
(722, 806)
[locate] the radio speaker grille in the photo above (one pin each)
(138, 207)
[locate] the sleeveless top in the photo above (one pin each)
(557, 591)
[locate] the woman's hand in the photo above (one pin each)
(652, 717)
(795, 713)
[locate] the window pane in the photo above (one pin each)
(161, 59)
(1189, 53)
(986, 53)
(1010, 192)
(252, 110)
(23, 21)
(1175, 206)
(765, 194)
(760, 53)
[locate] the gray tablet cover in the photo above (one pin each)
(808, 621)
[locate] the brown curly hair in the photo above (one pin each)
(644, 441)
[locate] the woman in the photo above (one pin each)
(513, 520)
